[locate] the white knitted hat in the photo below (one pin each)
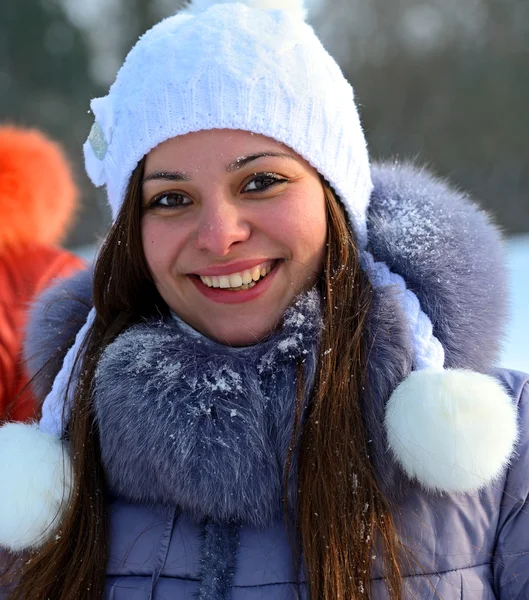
(257, 66)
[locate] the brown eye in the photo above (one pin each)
(263, 181)
(170, 200)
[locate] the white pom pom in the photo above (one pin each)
(35, 472)
(293, 6)
(453, 431)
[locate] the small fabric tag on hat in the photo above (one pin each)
(97, 141)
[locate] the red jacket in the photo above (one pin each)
(22, 277)
(37, 201)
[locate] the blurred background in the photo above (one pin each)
(443, 82)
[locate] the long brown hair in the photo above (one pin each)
(340, 511)
(342, 518)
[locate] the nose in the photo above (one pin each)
(221, 226)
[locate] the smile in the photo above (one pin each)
(241, 280)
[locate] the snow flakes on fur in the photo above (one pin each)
(187, 421)
(449, 254)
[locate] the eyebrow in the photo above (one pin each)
(242, 161)
(167, 176)
(235, 165)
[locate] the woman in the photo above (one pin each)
(258, 405)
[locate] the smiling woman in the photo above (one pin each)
(282, 383)
(233, 229)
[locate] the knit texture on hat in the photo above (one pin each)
(232, 66)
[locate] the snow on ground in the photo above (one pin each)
(515, 353)
(516, 347)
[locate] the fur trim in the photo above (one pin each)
(54, 320)
(36, 477)
(218, 558)
(296, 7)
(453, 431)
(38, 196)
(450, 255)
(222, 417)
(185, 421)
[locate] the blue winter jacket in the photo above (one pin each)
(472, 546)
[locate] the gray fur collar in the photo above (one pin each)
(188, 422)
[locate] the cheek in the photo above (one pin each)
(306, 232)
(315, 240)
(158, 245)
(148, 241)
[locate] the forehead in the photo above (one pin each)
(208, 147)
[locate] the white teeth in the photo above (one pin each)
(235, 281)
(243, 280)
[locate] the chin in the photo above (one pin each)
(239, 334)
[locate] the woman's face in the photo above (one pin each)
(233, 228)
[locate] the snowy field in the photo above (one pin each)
(515, 353)
(516, 348)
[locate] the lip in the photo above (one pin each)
(222, 296)
(233, 267)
